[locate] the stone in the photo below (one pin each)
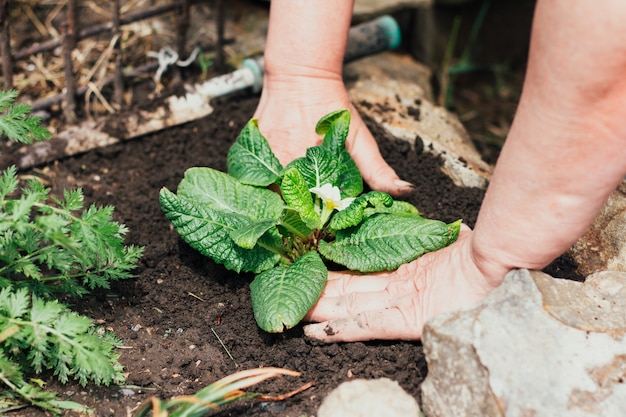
(536, 346)
(365, 398)
(603, 247)
(394, 91)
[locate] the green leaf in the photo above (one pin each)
(16, 123)
(317, 167)
(397, 207)
(353, 214)
(335, 127)
(247, 236)
(296, 194)
(282, 296)
(219, 191)
(294, 225)
(208, 231)
(211, 205)
(251, 160)
(349, 179)
(8, 183)
(386, 241)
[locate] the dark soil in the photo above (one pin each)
(186, 322)
(170, 316)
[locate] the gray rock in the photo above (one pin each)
(394, 91)
(536, 346)
(603, 247)
(367, 398)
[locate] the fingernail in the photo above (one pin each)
(404, 186)
(315, 331)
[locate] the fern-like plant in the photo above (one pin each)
(52, 246)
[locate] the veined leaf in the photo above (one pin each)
(247, 236)
(318, 167)
(349, 180)
(397, 207)
(386, 241)
(251, 160)
(221, 192)
(282, 296)
(293, 223)
(354, 213)
(296, 194)
(207, 230)
(334, 128)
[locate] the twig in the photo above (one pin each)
(49, 101)
(35, 20)
(95, 90)
(287, 395)
(98, 29)
(195, 296)
(224, 346)
(50, 18)
(219, 52)
(118, 75)
(69, 42)
(5, 45)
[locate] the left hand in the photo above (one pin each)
(396, 305)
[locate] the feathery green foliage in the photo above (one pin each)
(52, 246)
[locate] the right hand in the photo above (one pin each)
(289, 110)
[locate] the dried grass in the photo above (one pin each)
(42, 74)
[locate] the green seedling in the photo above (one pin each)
(206, 62)
(319, 217)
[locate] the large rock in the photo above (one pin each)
(394, 91)
(536, 346)
(366, 398)
(603, 247)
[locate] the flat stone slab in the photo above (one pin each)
(536, 346)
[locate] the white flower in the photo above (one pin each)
(331, 196)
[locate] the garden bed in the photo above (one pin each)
(185, 321)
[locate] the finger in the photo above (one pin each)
(349, 303)
(340, 283)
(388, 324)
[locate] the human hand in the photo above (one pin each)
(396, 305)
(289, 109)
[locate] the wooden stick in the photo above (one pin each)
(118, 76)
(69, 42)
(98, 29)
(5, 45)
